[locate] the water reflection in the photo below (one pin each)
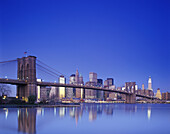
(149, 113)
(27, 120)
(27, 116)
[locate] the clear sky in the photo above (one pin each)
(128, 40)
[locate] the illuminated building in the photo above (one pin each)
(53, 93)
(100, 94)
(166, 96)
(62, 80)
(109, 83)
(77, 77)
(150, 84)
(44, 93)
(70, 92)
(90, 94)
(79, 81)
(38, 90)
(93, 77)
(158, 94)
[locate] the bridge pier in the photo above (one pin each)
(130, 99)
(27, 72)
(130, 87)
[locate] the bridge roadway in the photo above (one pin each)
(24, 82)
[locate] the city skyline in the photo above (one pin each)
(126, 41)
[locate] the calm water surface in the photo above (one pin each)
(88, 119)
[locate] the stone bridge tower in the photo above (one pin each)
(27, 71)
(130, 87)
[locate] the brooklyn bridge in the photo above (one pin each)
(27, 83)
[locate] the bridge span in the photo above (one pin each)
(24, 82)
(27, 82)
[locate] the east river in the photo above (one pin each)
(88, 119)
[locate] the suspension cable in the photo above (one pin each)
(8, 61)
(52, 68)
(48, 73)
(48, 70)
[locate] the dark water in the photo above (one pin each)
(88, 119)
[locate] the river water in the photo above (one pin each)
(88, 119)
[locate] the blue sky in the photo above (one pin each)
(126, 40)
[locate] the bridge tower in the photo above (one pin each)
(27, 71)
(130, 87)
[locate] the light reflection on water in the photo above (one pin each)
(88, 118)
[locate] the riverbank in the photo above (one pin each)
(37, 105)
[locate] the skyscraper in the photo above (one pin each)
(79, 81)
(77, 77)
(93, 77)
(110, 81)
(100, 94)
(62, 89)
(91, 94)
(108, 84)
(70, 92)
(53, 93)
(150, 83)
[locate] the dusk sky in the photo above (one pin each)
(128, 40)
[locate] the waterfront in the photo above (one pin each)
(88, 119)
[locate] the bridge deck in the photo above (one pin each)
(24, 82)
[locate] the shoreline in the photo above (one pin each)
(36, 106)
(57, 105)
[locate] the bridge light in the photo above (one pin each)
(4, 97)
(5, 76)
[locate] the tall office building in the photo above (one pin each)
(166, 96)
(109, 83)
(100, 94)
(44, 93)
(62, 89)
(150, 83)
(38, 90)
(91, 94)
(77, 77)
(70, 92)
(53, 93)
(93, 77)
(79, 81)
(99, 82)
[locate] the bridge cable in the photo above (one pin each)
(49, 71)
(52, 68)
(7, 61)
